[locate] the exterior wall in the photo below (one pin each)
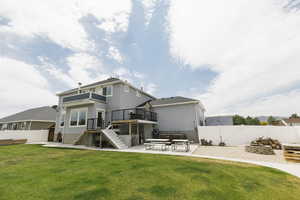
(41, 125)
(178, 119)
(32, 136)
(119, 100)
(241, 135)
(148, 128)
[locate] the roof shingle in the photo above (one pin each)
(45, 113)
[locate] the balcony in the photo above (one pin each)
(84, 98)
(95, 123)
(133, 114)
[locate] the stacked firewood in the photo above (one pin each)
(261, 141)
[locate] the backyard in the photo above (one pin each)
(35, 172)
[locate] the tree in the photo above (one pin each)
(294, 116)
(252, 121)
(263, 123)
(272, 120)
(238, 120)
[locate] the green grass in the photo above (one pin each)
(34, 172)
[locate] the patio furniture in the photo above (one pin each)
(161, 144)
(181, 143)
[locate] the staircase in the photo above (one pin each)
(77, 141)
(114, 138)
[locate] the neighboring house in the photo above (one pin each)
(113, 112)
(40, 118)
(219, 121)
(291, 122)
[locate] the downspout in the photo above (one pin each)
(65, 120)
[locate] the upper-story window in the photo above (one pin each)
(126, 88)
(78, 117)
(138, 94)
(107, 91)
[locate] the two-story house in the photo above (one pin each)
(115, 113)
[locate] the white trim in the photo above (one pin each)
(103, 85)
(141, 91)
(78, 110)
(112, 91)
(173, 104)
(89, 87)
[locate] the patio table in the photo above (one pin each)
(179, 142)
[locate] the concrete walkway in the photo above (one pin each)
(290, 168)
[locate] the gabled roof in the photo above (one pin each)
(178, 100)
(172, 100)
(105, 82)
(45, 113)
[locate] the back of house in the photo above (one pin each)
(114, 113)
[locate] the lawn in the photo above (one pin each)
(35, 172)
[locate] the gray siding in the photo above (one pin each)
(178, 118)
(119, 100)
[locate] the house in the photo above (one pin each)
(219, 121)
(291, 122)
(114, 113)
(33, 119)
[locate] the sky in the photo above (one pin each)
(236, 56)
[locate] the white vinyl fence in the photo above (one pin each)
(32, 136)
(241, 135)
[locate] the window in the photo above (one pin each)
(138, 94)
(81, 118)
(78, 117)
(107, 91)
(126, 88)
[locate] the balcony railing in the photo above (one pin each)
(94, 124)
(132, 114)
(84, 96)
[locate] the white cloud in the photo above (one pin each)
(59, 20)
(151, 88)
(252, 45)
(114, 53)
(22, 87)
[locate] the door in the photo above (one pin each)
(100, 119)
(51, 134)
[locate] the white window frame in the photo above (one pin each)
(126, 88)
(78, 110)
(106, 91)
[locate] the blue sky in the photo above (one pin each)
(239, 57)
